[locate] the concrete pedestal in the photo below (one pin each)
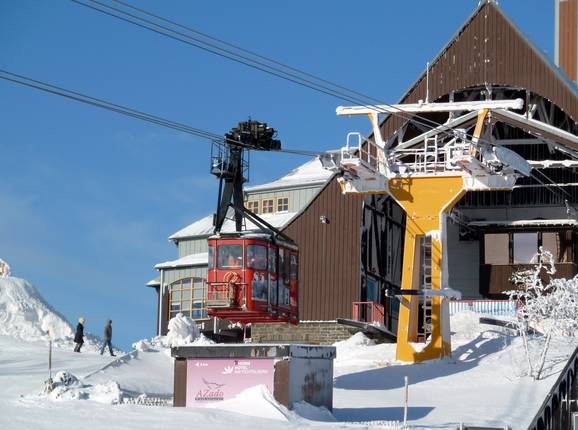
(291, 372)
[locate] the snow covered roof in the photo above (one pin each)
(525, 223)
(153, 282)
(199, 259)
(308, 174)
(204, 226)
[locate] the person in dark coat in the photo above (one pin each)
(79, 335)
(107, 338)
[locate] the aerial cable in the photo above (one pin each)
(275, 71)
(130, 112)
(247, 51)
(239, 58)
(126, 111)
(552, 185)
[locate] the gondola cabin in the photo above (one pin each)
(252, 278)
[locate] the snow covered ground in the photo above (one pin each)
(483, 383)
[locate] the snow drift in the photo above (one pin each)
(26, 315)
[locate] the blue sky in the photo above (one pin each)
(88, 197)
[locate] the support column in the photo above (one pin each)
(425, 200)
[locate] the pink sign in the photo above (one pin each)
(212, 379)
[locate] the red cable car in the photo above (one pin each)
(253, 277)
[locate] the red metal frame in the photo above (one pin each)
(370, 312)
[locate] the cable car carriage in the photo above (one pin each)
(252, 278)
(252, 274)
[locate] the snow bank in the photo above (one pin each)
(182, 330)
(68, 387)
(313, 413)
(256, 402)
(26, 315)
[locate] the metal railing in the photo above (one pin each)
(506, 308)
(364, 150)
(368, 312)
(224, 294)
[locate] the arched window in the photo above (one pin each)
(189, 297)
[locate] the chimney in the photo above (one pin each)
(566, 37)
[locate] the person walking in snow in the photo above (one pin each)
(79, 335)
(107, 338)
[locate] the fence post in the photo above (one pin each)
(405, 403)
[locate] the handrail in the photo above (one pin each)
(374, 312)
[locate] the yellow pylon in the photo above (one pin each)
(425, 200)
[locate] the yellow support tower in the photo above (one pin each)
(425, 201)
(427, 175)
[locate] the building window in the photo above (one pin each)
(188, 296)
(522, 247)
(283, 204)
(551, 242)
(253, 206)
(525, 247)
(267, 206)
(496, 249)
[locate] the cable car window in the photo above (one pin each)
(272, 261)
(257, 257)
(211, 257)
(284, 266)
(294, 267)
(230, 256)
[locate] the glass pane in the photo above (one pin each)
(268, 206)
(525, 247)
(497, 249)
(272, 261)
(211, 257)
(551, 243)
(176, 296)
(186, 283)
(294, 266)
(371, 290)
(186, 295)
(282, 204)
(257, 257)
(230, 256)
(259, 286)
(198, 293)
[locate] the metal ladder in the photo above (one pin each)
(430, 156)
(426, 265)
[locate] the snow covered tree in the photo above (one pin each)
(551, 306)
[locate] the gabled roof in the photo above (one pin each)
(204, 226)
(192, 260)
(489, 48)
